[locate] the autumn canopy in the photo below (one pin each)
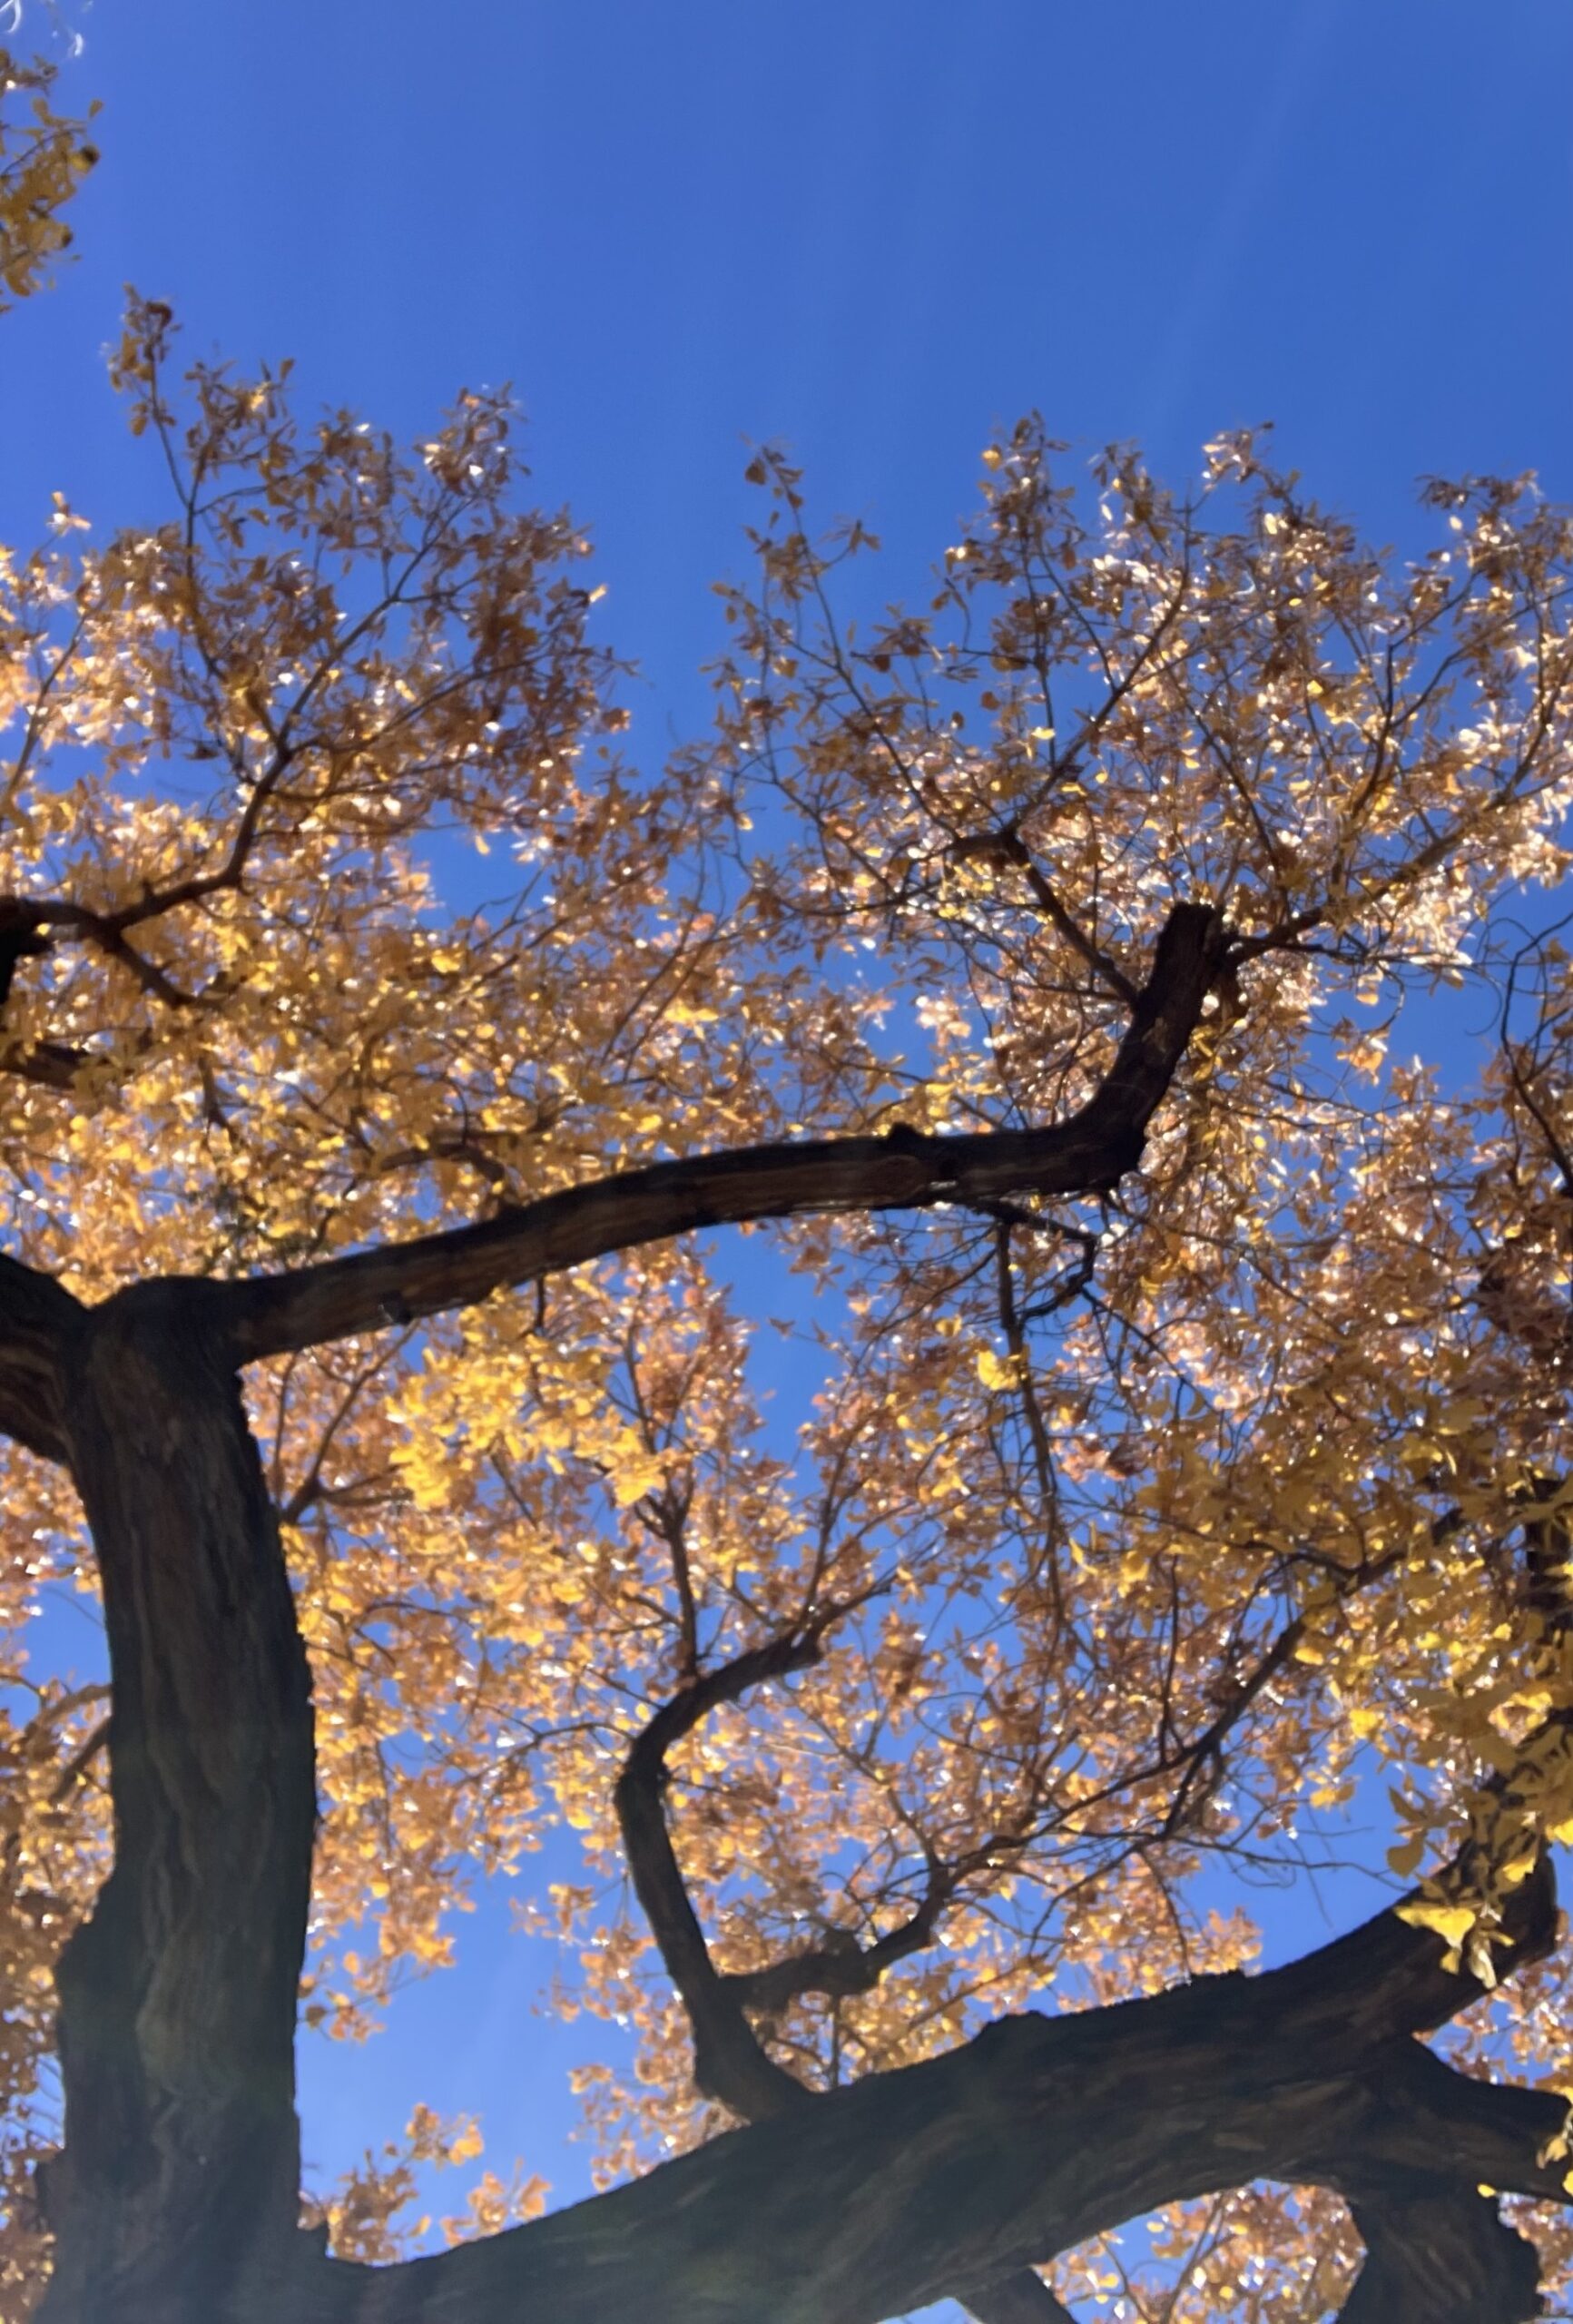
(416, 1102)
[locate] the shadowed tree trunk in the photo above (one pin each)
(178, 2194)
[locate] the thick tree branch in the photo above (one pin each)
(907, 2186)
(269, 1315)
(178, 1995)
(1437, 2253)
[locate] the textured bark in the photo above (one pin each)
(1439, 2254)
(37, 1319)
(176, 2199)
(1020, 2298)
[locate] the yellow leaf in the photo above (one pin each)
(632, 1479)
(1451, 1922)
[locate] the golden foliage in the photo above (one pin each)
(44, 158)
(1154, 1525)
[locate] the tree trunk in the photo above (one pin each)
(176, 2201)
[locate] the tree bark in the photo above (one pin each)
(176, 2199)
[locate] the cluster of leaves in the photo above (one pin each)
(360, 2214)
(1125, 1537)
(1269, 2255)
(44, 158)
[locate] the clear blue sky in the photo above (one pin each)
(874, 228)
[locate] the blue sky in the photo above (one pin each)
(873, 229)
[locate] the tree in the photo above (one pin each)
(1191, 1436)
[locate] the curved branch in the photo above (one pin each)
(271, 1315)
(730, 2062)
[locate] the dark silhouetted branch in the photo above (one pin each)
(907, 1169)
(907, 2186)
(730, 2062)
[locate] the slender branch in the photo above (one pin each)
(1108, 970)
(77, 1765)
(105, 930)
(1013, 1326)
(840, 1971)
(728, 2062)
